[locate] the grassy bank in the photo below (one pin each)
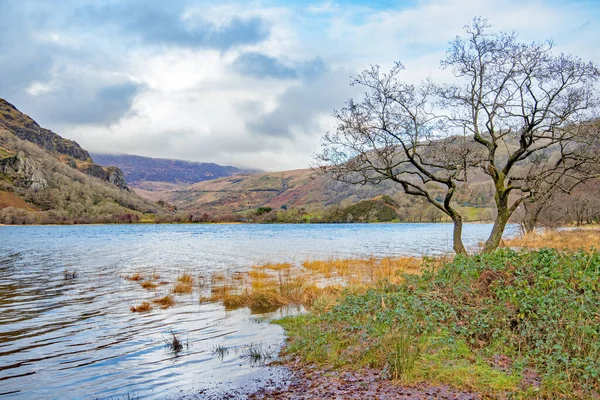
(524, 324)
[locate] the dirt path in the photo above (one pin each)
(315, 383)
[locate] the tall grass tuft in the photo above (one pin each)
(184, 284)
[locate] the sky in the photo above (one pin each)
(251, 84)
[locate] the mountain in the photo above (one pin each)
(141, 169)
(45, 178)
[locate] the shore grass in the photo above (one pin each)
(568, 239)
(510, 324)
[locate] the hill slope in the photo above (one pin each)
(139, 169)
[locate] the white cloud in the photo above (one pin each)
(40, 88)
(192, 104)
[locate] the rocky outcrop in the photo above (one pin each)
(116, 177)
(24, 171)
(111, 174)
(25, 128)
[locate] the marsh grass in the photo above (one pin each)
(135, 277)
(142, 308)
(257, 354)
(165, 301)
(184, 284)
(149, 285)
(402, 347)
(220, 351)
(271, 286)
(569, 239)
(174, 343)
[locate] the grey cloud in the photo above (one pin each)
(258, 65)
(300, 106)
(161, 23)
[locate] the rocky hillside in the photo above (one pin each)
(139, 169)
(45, 178)
(65, 150)
(35, 187)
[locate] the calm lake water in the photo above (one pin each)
(63, 339)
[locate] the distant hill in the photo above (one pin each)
(142, 169)
(305, 190)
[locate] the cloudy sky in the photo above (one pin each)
(250, 84)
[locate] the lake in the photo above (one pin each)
(78, 338)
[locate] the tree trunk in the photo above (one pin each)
(458, 246)
(499, 224)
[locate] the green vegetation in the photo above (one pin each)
(520, 324)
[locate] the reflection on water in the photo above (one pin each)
(77, 338)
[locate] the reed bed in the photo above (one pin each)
(313, 284)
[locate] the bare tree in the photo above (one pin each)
(523, 105)
(393, 134)
(521, 114)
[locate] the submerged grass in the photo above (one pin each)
(142, 308)
(511, 324)
(165, 301)
(149, 285)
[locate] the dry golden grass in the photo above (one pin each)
(142, 308)
(135, 277)
(574, 239)
(165, 302)
(186, 278)
(365, 271)
(149, 285)
(276, 267)
(184, 284)
(316, 284)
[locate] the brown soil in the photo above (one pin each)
(312, 382)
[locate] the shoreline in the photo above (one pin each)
(312, 382)
(259, 223)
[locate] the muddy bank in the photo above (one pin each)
(311, 382)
